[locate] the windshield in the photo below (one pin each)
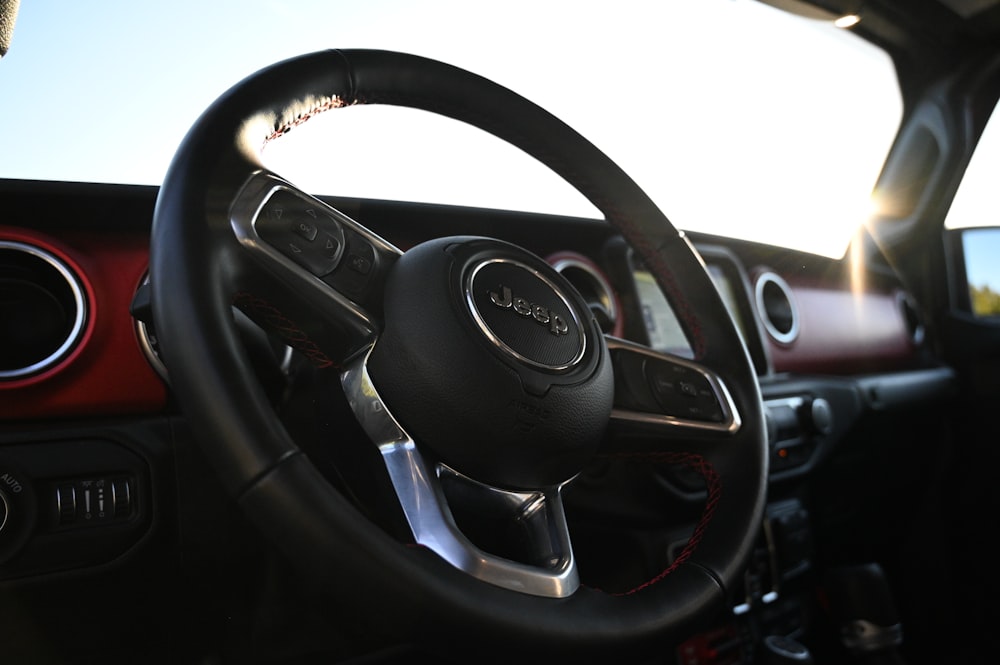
(738, 119)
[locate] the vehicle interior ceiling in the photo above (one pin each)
(882, 436)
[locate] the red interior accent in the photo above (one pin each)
(107, 373)
(844, 332)
(713, 485)
(721, 646)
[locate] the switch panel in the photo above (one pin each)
(71, 503)
(95, 500)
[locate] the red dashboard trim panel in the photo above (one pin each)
(843, 333)
(107, 373)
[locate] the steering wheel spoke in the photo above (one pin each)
(527, 532)
(325, 268)
(668, 397)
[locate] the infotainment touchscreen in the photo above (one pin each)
(665, 332)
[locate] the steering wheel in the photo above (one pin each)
(477, 371)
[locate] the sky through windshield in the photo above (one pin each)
(736, 118)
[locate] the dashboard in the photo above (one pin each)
(98, 468)
(86, 351)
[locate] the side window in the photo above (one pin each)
(981, 254)
(973, 229)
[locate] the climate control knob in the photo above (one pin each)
(17, 512)
(4, 511)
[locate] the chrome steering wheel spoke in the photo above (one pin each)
(675, 397)
(323, 259)
(428, 493)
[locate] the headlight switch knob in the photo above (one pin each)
(4, 510)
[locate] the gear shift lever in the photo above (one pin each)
(779, 650)
(862, 606)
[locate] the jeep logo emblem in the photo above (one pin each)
(541, 314)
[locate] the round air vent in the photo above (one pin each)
(42, 310)
(777, 308)
(592, 285)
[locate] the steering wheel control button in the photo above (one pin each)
(632, 390)
(359, 263)
(682, 392)
(525, 315)
(357, 267)
(306, 230)
(302, 231)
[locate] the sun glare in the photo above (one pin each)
(847, 21)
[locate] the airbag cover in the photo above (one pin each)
(493, 362)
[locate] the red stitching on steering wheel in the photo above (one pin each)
(272, 317)
(714, 486)
(279, 131)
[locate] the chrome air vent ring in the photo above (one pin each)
(776, 307)
(43, 310)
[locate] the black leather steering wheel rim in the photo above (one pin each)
(198, 267)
